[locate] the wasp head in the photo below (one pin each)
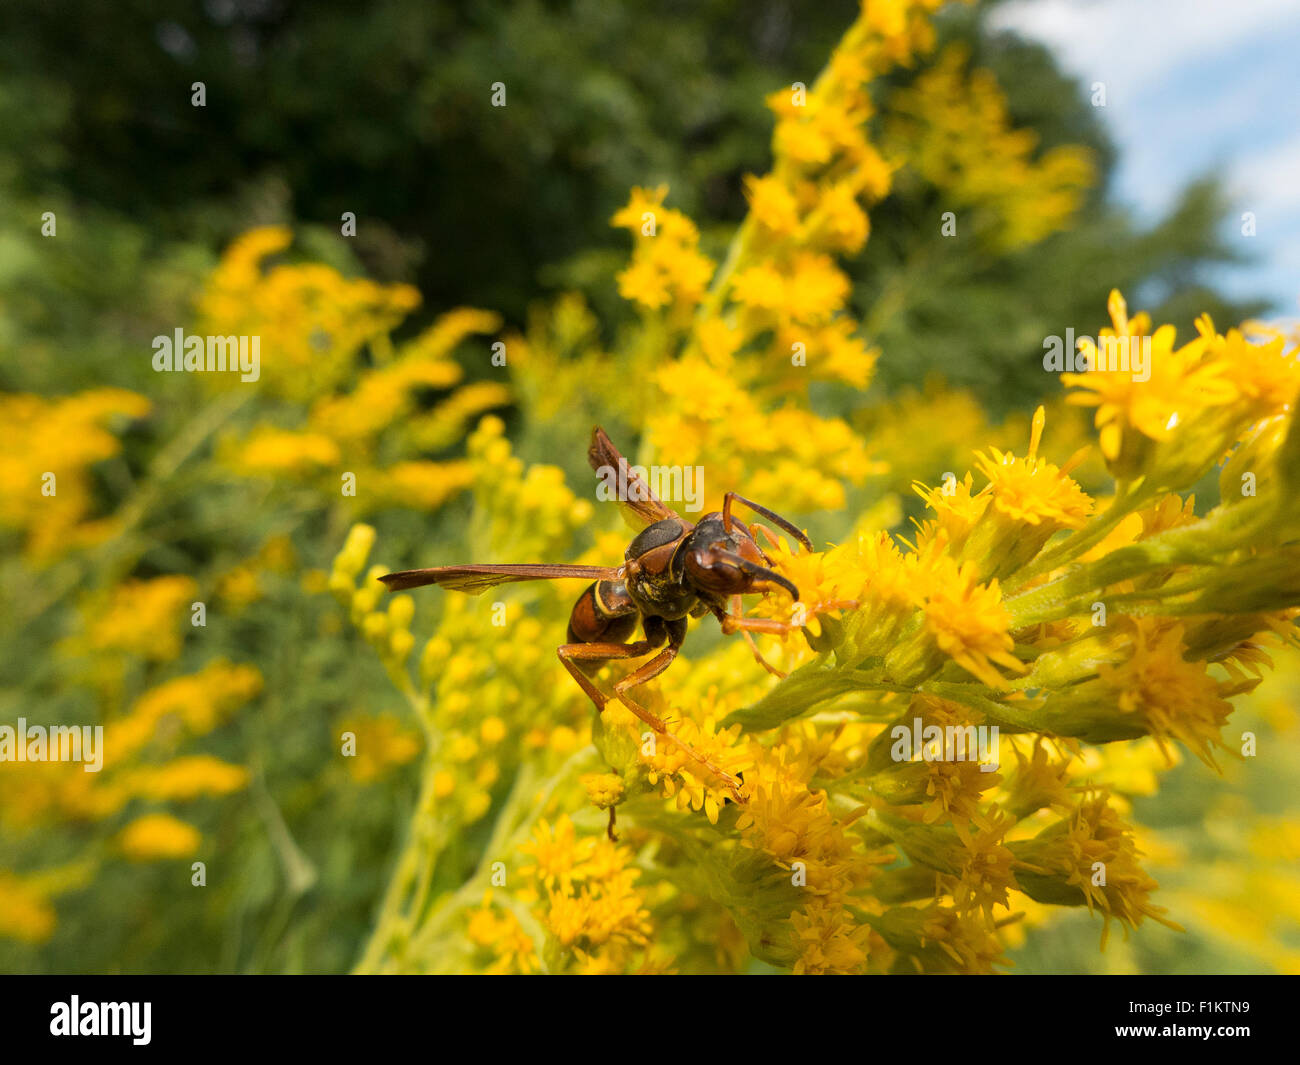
(721, 563)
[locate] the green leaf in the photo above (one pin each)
(794, 696)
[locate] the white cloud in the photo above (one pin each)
(1192, 86)
(1132, 43)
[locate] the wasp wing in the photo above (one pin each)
(475, 580)
(638, 501)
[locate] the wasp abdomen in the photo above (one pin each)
(604, 613)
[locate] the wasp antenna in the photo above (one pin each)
(783, 523)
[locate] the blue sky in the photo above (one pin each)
(1195, 86)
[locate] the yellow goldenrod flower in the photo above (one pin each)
(158, 836)
(504, 937)
(1089, 859)
(272, 451)
(185, 779)
(1175, 698)
(312, 318)
(25, 912)
(381, 745)
(604, 789)
(44, 467)
(954, 129)
(142, 618)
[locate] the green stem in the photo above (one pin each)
(392, 913)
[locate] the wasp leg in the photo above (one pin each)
(737, 604)
(754, 530)
(768, 535)
(573, 653)
(647, 672)
(731, 623)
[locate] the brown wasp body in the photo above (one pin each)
(673, 570)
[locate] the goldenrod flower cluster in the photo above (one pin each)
(382, 744)
(343, 418)
(338, 399)
(361, 420)
(122, 639)
(142, 767)
(44, 467)
(952, 128)
(312, 319)
(153, 727)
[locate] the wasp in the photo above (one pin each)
(672, 571)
